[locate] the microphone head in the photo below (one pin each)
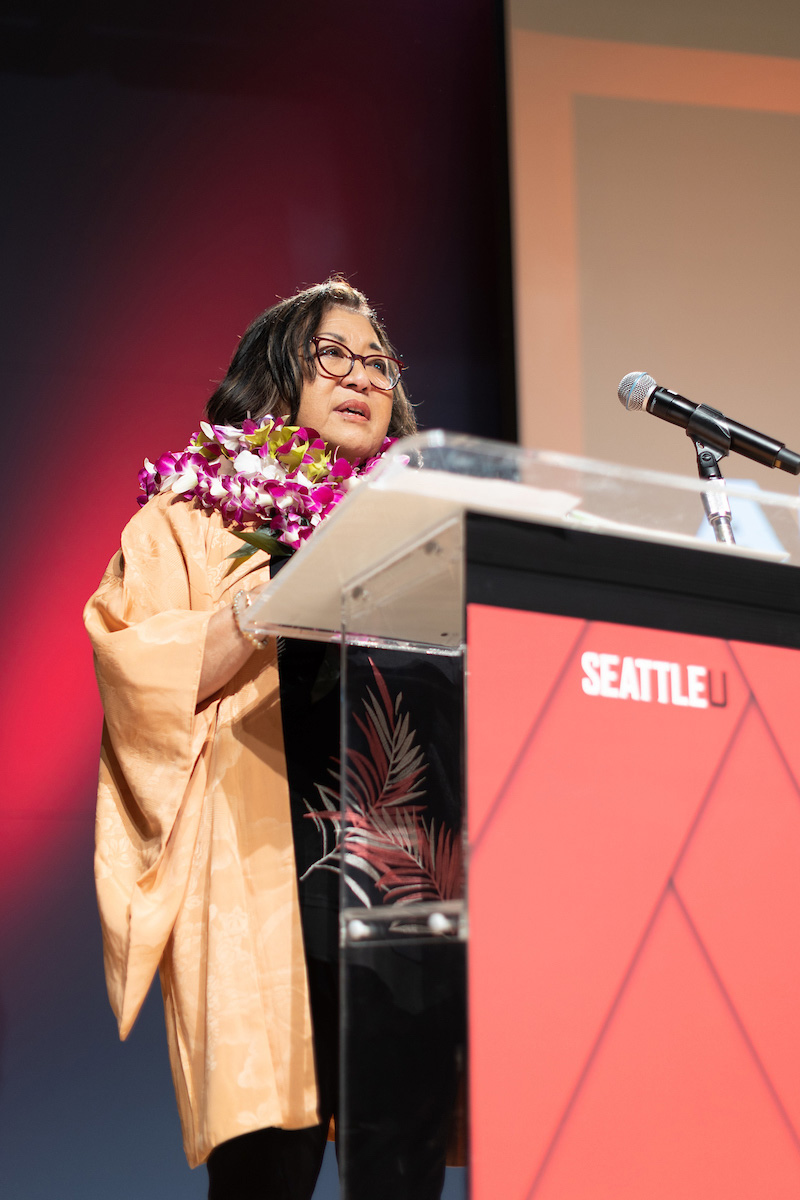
(636, 389)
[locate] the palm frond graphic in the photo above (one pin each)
(383, 833)
(413, 862)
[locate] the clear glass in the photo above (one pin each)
(402, 1114)
(405, 518)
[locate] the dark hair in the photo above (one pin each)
(276, 355)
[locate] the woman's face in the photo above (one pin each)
(350, 414)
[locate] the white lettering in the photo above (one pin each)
(631, 678)
(696, 678)
(662, 671)
(608, 675)
(645, 667)
(591, 680)
(677, 695)
(628, 680)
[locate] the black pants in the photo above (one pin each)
(406, 1036)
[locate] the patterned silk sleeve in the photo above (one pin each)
(147, 622)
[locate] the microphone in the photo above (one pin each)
(706, 425)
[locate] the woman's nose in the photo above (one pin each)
(358, 377)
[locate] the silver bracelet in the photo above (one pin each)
(243, 597)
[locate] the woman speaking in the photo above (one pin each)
(217, 840)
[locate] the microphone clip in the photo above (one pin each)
(708, 425)
(716, 504)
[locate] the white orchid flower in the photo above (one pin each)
(247, 463)
(270, 470)
(186, 481)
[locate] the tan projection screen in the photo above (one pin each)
(656, 225)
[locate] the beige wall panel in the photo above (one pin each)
(655, 207)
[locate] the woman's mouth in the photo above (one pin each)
(355, 410)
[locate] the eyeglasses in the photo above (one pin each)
(336, 361)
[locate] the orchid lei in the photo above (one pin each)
(274, 483)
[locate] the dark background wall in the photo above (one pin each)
(168, 171)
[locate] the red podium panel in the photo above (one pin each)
(635, 912)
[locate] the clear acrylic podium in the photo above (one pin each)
(629, 689)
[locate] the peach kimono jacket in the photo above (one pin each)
(194, 861)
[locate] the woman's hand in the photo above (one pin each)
(226, 649)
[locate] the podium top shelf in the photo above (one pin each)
(403, 522)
